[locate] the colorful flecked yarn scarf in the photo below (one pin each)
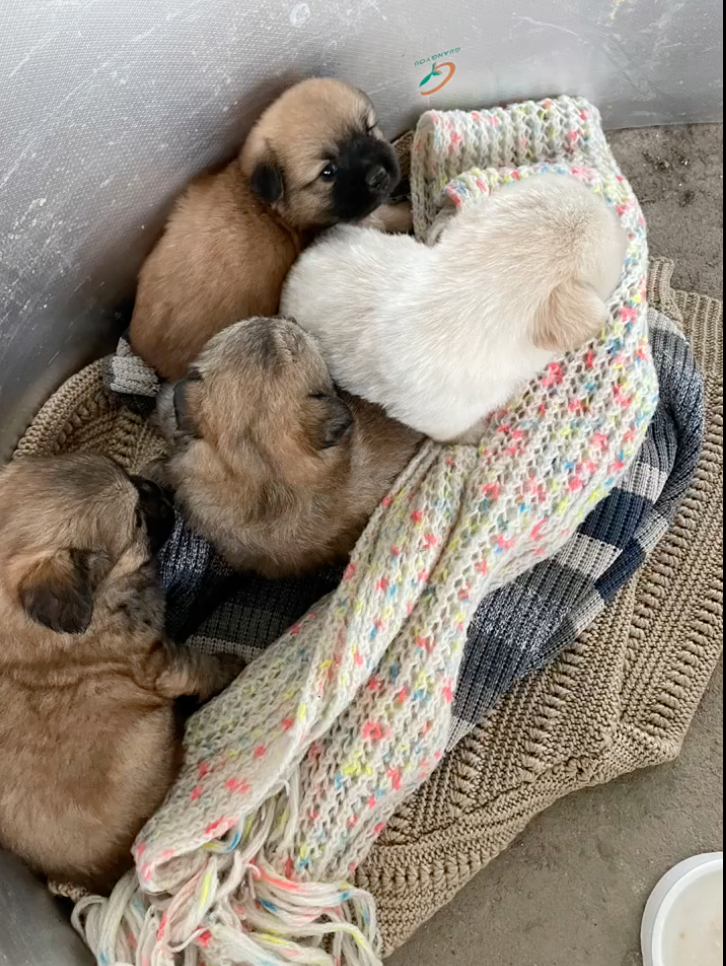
(291, 775)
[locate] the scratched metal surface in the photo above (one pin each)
(32, 930)
(108, 107)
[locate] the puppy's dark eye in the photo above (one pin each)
(329, 172)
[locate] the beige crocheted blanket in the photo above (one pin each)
(622, 699)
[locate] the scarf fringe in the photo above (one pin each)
(236, 908)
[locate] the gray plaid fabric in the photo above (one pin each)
(520, 628)
(525, 626)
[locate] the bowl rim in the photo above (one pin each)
(670, 888)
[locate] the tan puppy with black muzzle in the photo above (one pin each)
(315, 158)
(90, 728)
(270, 464)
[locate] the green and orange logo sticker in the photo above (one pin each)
(440, 74)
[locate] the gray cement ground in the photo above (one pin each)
(571, 891)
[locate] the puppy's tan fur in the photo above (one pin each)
(226, 250)
(269, 462)
(89, 733)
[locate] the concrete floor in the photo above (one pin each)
(571, 891)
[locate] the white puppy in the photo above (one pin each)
(442, 336)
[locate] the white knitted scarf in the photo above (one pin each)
(291, 775)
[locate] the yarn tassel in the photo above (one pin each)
(263, 920)
(236, 908)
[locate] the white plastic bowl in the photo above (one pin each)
(665, 899)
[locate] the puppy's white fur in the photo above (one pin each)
(442, 336)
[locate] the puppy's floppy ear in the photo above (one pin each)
(57, 591)
(267, 180)
(572, 315)
(337, 423)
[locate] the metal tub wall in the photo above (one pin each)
(33, 931)
(107, 108)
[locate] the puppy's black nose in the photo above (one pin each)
(377, 178)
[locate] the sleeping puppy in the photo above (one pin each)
(89, 729)
(315, 158)
(269, 462)
(441, 337)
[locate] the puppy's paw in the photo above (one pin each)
(230, 666)
(188, 672)
(393, 219)
(221, 670)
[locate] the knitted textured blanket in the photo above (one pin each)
(291, 775)
(620, 698)
(544, 610)
(497, 779)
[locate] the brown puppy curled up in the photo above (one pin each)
(315, 158)
(272, 465)
(89, 730)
